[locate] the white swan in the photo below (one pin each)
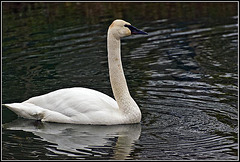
(87, 106)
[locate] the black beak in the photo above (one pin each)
(134, 30)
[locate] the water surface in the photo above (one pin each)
(183, 75)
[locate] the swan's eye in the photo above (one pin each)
(129, 27)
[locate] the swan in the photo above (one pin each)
(80, 105)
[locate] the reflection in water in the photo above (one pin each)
(81, 140)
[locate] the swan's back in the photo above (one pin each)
(70, 105)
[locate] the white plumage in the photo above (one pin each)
(86, 106)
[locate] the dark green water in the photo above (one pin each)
(183, 75)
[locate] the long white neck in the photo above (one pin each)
(117, 78)
(118, 82)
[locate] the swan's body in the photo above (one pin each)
(87, 106)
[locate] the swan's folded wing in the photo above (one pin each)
(70, 105)
(75, 100)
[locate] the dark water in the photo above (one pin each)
(183, 75)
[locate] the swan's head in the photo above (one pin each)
(121, 28)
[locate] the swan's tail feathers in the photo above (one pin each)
(27, 110)
(31, 111)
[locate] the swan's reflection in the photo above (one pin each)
(80, 140)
